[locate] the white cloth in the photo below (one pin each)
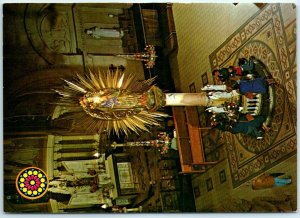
(214, 87)
(219, 95)
(174, 144)
(216, 110)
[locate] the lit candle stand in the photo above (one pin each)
(148, 56)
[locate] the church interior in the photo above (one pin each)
(45, 45)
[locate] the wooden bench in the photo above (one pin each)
(189, 140)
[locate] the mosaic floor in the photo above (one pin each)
(271, 40)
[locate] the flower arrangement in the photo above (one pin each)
(163, 142)
(150, 56)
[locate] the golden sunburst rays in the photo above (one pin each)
(109, 80)
(142, 86)
(97, 81)
(132, 120)
(136, 123)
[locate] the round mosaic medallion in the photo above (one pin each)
(32, 183)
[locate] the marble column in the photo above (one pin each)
(58, 147)
(76, 137)
(187, 99)
(74, 155)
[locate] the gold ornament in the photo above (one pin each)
(113, 101)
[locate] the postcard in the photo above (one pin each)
(149, 107)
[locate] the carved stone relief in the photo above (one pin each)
(50, 29)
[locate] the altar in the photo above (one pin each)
(120, 169)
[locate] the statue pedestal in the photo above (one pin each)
(133, 210)
(187, 99)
